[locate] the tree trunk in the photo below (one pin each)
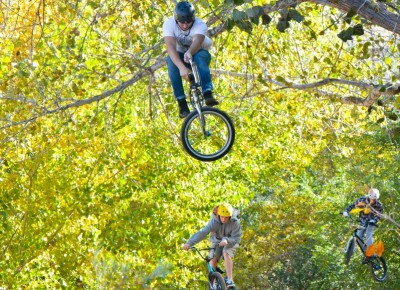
(376, 13)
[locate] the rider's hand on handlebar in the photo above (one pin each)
(345, 214)
(186, 247)
(223, 243)
(184, 72)
(187, 56)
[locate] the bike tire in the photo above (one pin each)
(216, 281)
(220, 134)
(349, 250)
(378, 268)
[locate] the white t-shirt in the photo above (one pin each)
(184, 38)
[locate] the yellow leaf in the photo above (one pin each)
(371, 250)
(356, 210)
(380, 248)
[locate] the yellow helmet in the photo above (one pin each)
(225, 210)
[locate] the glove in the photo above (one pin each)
(345, 214)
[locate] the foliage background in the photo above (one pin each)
(97, 192)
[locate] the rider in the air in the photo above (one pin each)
(185, 37)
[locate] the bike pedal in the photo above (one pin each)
(219, 270)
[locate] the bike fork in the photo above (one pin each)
(199, 112)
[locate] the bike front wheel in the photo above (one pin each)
(378, 268)
(216, 281)
(208, 138)
(349, 250)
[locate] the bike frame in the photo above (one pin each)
(359, 240)
(196, 99)
(210, 269)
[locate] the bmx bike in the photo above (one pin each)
(376, 262)
(215, 279)
(207, 133)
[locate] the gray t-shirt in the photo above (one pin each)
(184, 38)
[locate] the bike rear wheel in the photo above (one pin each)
(211, 142)
(378, 268)
(216, 281)
(349, 250)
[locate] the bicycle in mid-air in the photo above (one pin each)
(215, 279)
(207, 133)
(376, 262)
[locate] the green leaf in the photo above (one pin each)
(238, 15)
(280, 79)
(245, 26)
(295, 15)
(230, 25)
(255, 20)
(255, 11)
(282, 25)
(260, 78)
(266, 19)
(345, 35)
(350, 15)
(358, 29)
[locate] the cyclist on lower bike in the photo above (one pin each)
(185, 37)
(369, 216)
(225, 234)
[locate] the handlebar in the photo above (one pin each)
(200, 250)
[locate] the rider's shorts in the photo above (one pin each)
(217, 251)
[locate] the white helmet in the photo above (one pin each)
(373, 193)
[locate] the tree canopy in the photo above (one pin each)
(97, 191)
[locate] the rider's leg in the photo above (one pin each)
(177, 86)
(214, 263)
(369, 235)
(176, 79)
(203, 59)
(361, 233)
(228, 266)
(228, 255)
(215, 254)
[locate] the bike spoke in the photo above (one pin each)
(213, 140)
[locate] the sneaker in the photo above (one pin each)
(210, 101)
(229, 284)
(183, 108)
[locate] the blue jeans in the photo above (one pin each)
(203, 59)
(369, 231)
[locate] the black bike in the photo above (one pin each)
(376, 262)
(207, 133)
(215, 279)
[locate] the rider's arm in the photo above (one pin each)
(197, 42)
(170, 43)
(353, 205)
(235, 236)
(201, 235)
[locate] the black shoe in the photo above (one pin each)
(210, 101)
(183, 108)
(219, 270)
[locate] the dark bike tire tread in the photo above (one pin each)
(220, 279)
(217, 155)
(349, 251)
(382, 263)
